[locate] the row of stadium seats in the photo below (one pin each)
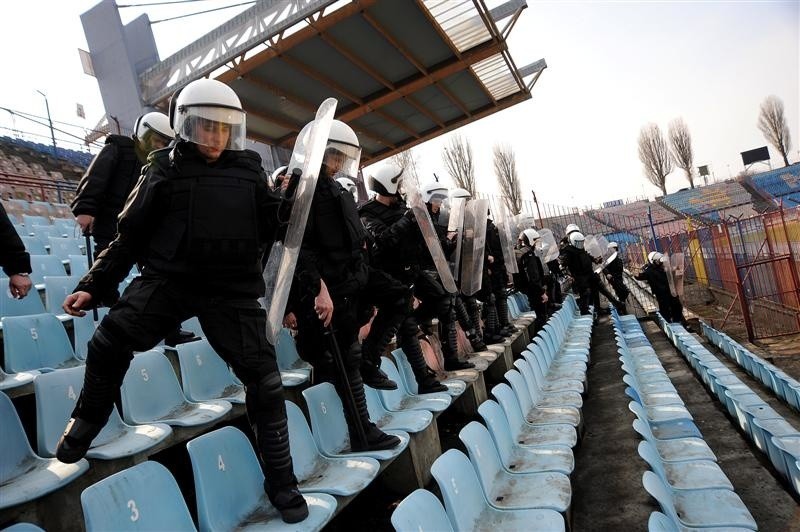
(76, 158)
(684, 478)
(17, 209)
(701, 200)
(764, 426)
(634, 214)
(786, 388)
(778, 182)
(516, 474)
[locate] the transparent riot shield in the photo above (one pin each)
(455, 224)
(507, 239)
(475, 216)
(666, 262)
(677, 263)
(309, 149)
(546, 237)
(429, 235)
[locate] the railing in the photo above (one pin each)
(58, 189)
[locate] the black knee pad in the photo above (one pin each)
(269, 389)
(352, 356)
(109, 349)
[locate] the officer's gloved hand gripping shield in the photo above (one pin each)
(309, 149)
(425, 224)
(474, 244)
(507, 237)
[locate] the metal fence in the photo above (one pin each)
(748, 266)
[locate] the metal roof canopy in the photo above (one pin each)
(403, 71)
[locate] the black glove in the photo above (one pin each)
(294, 180)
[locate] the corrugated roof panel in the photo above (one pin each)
(434, 100)
(407, 23)
(467, 89)
(461, 22)
(279, 73)
(320, 57)
(495, 74)
(408, 115)
(361, 39)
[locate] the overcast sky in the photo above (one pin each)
(613, 67)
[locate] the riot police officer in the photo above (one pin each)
(653, 272)
(578, 263)
(331, 279)
(113, 173)
(198, 221)
(531, 277)
(614, 272)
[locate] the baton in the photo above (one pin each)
(349, 398)
(88, 236)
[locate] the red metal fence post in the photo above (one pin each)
(740, 289)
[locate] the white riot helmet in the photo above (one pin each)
(386, 180)
(655, 257)
(613, 245)
(433, 192)
(530, 234)
(576, 239)
(571, 228)
(460, 193)
(279, 171)
(150, 127)
(349, 185)
(343, 152)
(206, 111)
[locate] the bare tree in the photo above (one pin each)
(407, 160)
(457, 156)
(681, 142)
(505, 168)
(772, 123)
(654, 154)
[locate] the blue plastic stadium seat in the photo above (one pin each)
(56, 289)
(517, 457)
(56, 394)
(699, 508)
(24, 476)
(15, 380)
(83, 328)
(294, 370)
(45, 265)
(193, 325)
(30, 220)
(44, 232)
(143, 497)
(526, 434)
(229, 487)
(330, 429)
(151, 393)
(540, 414)
(32, 304)
(467, 507)
(33, 245)
(67, 227)
(399, 399)
(316, 472)
(64, 247)
(408, 381)
(78, 265)
(36, 342)
(686, 475)
(678, 449)
(421, 511)
(531, 488)
(205, 375)
(407, 421)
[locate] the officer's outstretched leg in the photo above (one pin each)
(237, 332)
(137, 322)
(438, 303)
(474, 309)
(393, 301)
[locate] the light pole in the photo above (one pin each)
(52, 132)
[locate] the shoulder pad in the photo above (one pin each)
(160, 157)
(120, 140)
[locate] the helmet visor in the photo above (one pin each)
(216, 127)
(342, 159)
(153, 140)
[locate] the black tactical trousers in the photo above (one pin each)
(153, 306)
(392, 299)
